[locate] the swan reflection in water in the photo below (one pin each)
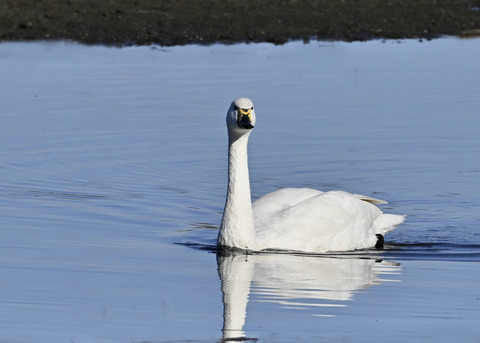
(292, 281)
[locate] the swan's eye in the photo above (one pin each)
(252, 108)
(235, 108)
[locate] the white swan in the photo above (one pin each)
(298, 219)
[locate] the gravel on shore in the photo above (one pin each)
(179, 22)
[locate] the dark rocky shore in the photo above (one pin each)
(178, 22)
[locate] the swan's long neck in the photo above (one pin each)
(237, 228)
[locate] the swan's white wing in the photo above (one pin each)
(282, 199)
(309, 220)
(272, 205)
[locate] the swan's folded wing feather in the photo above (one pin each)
(370, 199)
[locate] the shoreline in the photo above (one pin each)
(170, 22)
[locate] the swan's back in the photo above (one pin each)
(305, 219)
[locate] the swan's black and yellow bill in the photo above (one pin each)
(244, 118)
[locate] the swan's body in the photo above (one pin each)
(299, 219)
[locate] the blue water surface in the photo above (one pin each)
(113, 180)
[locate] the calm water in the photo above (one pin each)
(113, 179)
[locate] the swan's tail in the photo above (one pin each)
(387, 222)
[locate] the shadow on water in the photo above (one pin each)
(434, 251)
(397, 251)
(430, 251)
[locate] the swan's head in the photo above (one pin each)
(241, 116)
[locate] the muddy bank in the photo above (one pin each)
(174, 22)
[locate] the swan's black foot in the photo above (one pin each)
(380, 241)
